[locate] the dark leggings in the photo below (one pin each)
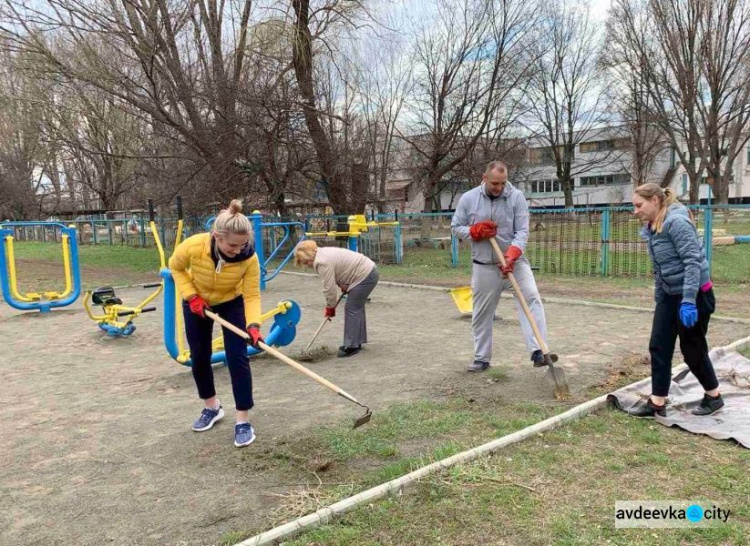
(667, 327)
(199, 334)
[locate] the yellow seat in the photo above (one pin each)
(463, 298)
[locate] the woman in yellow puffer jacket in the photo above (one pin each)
(219, 271)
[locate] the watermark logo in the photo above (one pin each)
(668, 514)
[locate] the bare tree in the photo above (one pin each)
(470, 60)
(343, 169)
(384, 85)
(177, 63)
(22, 152)
(566, 98)
(631, 98)
(724, 104)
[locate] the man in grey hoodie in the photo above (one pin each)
(497, 209)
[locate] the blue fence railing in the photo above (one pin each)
(582, 241)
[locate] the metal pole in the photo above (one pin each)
(257, 219)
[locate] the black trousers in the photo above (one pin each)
(199, 333)
(666, 328)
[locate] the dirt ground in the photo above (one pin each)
(96, 445)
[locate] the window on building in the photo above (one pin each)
(604, 180)
(599, 145)
(544, 156)
(545, 186)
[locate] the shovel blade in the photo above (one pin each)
(363, 420)
(556, 376)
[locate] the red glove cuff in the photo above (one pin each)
(513, 253)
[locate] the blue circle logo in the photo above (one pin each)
(694, 513)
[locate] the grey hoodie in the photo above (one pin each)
(679, 259)
(509, 211)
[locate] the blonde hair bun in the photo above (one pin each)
(231, 220)
(235, 207)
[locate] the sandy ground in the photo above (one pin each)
(96, 445)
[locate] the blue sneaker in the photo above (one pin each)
(208, 418)
(244, 434)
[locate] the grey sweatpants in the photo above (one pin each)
(355, 324)
(487, 283)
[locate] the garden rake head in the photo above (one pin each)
(359, 421)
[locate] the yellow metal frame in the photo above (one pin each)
(111, 312)
(357, 224)
(36, 296)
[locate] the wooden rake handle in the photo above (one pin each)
(317, 332)
(521, 300)
(285, 359)
(325, 320)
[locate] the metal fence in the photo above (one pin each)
(574, 242)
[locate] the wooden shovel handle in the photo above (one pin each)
(521, 300)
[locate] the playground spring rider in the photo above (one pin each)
(111, 321)
(43, 301)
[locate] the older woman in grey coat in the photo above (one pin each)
(353, 273)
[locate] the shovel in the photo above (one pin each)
(325, 320)
(296, 365)
(562, 391)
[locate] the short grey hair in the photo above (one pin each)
(499, 165)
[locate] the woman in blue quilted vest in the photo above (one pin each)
(684, 298)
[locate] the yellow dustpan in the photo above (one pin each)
(462, 297)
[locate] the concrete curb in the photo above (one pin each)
(396, 486)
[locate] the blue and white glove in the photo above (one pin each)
(688, 314)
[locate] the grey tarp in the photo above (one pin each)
(685, 393)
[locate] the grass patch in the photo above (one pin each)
(141, 260)
(560, 488)
(334, 463)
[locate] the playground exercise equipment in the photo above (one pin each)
(117, 319)
(42, 301)
(286, 315)
(113, 309)
(357, 224)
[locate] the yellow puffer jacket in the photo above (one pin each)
(194, 272)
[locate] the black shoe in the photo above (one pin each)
(649, 410)
(709, 405)
(348, 351)
(537, 357)
(478, 366)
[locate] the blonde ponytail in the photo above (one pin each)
(666, 198)
(231, 220)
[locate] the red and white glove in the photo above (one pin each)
(198, 306)
(483, 230)
(330, 312)
(511, 255)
